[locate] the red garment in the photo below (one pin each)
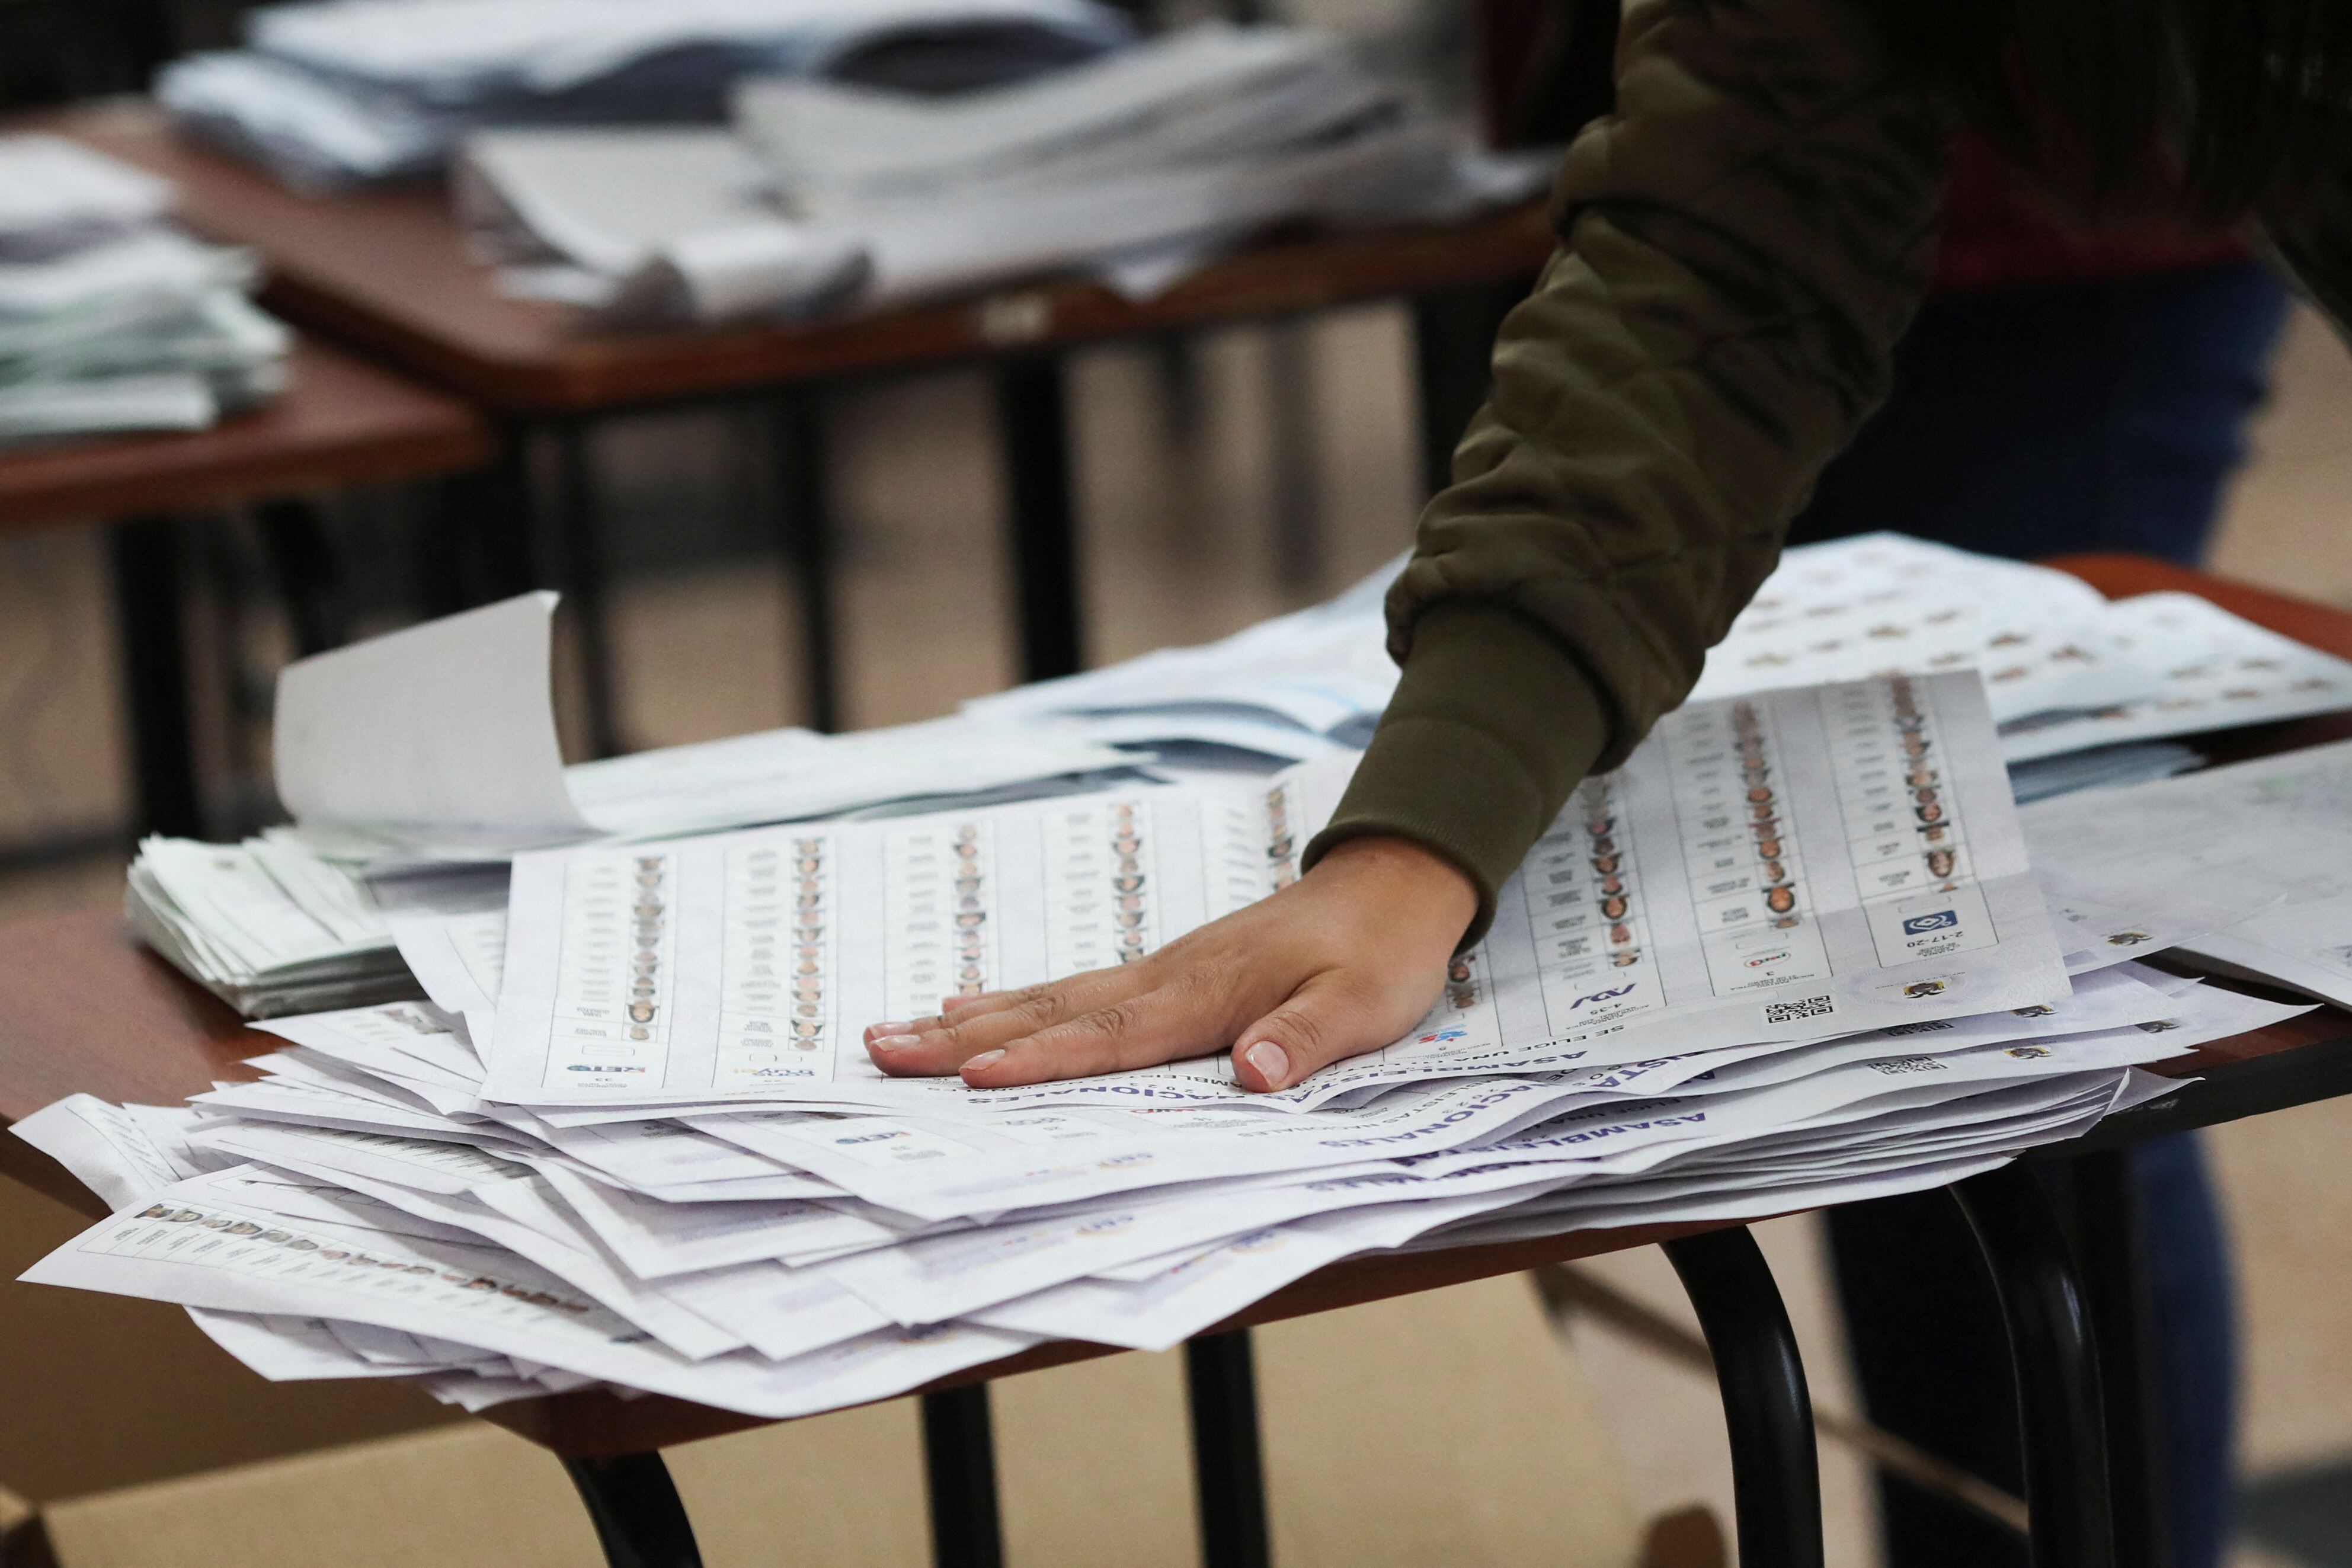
(1999, 234)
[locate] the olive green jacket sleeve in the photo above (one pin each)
(1741, 243)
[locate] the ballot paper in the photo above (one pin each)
(57, 195)
(107, 405)
(1201, 92)
(1136, 166)
(1798, 865)
(1859, 607)
(489, 1261)
(2200, 669)
(424, 757)
(2131, 761)
(647, 224)
(2250, 864)
(437, 743)
(203, 1253)
(119, 1153)
(327, 95)
(109, 321)
(2064, 669)
(442, 733)
(457, 50)
(264, 925)
(1321, 671)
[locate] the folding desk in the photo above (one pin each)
(340, 423)
(83, 1009)
(390, 270)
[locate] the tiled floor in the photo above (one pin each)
(1178, 524)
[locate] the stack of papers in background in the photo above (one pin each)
(352, 90)
(1135, 166)
(1793, 953)
(110, 320)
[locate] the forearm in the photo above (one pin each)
(1742, 242)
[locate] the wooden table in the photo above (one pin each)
(83, 1008)
(391, 271)
(340, 423)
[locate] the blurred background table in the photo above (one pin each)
(341, 423)
(390, 270)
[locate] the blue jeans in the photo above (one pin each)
(2029, 423)
(2032, 422)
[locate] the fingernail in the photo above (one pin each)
(895, 1042)
(881, 1031)
(983, 1060)
(1271, 1061)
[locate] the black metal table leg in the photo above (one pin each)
(2110, 1236)
(960, 1463)
(1228, 1473)
(147, 558)
(1768, 1412)
(2056, 1362)
(478, 539)
(579, 574)
(1031, 414)
(1453, 348)
(640, 1521)
(1293, 428)
(308, 575)
(804, 529)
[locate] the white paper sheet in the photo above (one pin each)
(217, 1257)
(1803, 864)
(2200, 669)
(2206, 853)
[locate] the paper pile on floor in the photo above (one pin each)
(330, 94)
(109, 320)
(1793, 953)
(1136, 167)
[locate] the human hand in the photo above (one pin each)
(1343, 961)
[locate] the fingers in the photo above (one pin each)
(935, 1045)
(1159, 1025)
(1326, 1020)
(1078, 990)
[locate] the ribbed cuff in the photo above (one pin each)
(1493, 724)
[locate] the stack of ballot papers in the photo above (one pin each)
(1801, 949)
(109, 320)
(2068, 673)
(346, 91)
(435, 749)
(1135, 167)
(417, 763)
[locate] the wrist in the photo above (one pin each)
(1406, 877)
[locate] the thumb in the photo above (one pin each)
(1324, 1020)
